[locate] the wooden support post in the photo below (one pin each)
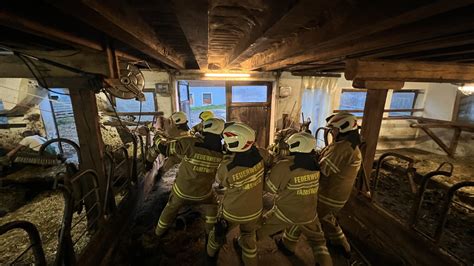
(88, 130)
(371, 123)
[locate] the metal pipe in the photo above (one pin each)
(33, 236)
(60, 140)
(421, 192)
(380, 162)
(445, 211)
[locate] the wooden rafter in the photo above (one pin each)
(118, 20)
(193, 19)
(278, 11)
(383, 70)
(349, 25)
(294, 19)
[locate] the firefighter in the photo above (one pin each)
(340, 162)
(204, 116)
(295, 180)
(179, 125)
(196, 174)
(178, 129)
(241, 173)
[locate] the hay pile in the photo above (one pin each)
(46, 212)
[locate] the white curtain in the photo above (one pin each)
(317, 101)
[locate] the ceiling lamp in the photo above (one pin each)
(467, 89)
(227, 75)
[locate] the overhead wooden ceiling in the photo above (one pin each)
(292, 35)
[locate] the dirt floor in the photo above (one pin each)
(184, 243)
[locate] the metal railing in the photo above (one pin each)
(90, 198)
(445, 211)
(326, 132)
(410, 170)
(444, 169)
(34, 239)
(60, 141)
(120, 183)
(421, 191)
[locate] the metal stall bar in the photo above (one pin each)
(447, 204)
(382, 159)
(327, 131)
(33, 236)
(421, 192)
(66, 254)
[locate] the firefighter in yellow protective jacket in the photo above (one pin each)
(295, 180)
(340, 162)
(204, 116)
(241, 173)
(178, 129)
(196, 174)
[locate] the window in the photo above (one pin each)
(353, 100)
(130, 105)
(191, 99)
(249, 94)
(466, 109)
(207, 98)
(403, 100)
(3, 119)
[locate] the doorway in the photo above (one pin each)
(243, 101)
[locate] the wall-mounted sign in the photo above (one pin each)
(162, 88)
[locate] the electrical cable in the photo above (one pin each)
(43, 83)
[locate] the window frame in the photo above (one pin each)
(353, 90)
(417, 92)
(202, 98)
(191, 102)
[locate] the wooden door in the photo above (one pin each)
(250, 103)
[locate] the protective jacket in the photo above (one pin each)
(197, 171)
(242, 174)
(176, 132)
(196, 128)
(340, 163)
(297, 190)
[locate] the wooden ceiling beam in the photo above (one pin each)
(277, 11)
(293, 20)
(119, 21)
(391, 40)
(193, 19)
(410, 71)
(345, 26)
(315, 74)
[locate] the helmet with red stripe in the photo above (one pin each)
(239, 137)
(343, 121)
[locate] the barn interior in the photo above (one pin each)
(97, 79)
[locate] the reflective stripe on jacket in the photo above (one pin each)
(297, 192)
(340, 164)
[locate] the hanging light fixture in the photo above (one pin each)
(466, 89)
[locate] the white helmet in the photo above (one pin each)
(239, 137)
(179, 118)
(301, 142)
(344, 121)
(213, 125)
